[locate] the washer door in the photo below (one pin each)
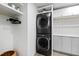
(43, 43)
(43, 21)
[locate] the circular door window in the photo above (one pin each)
(43, 22)
(43, 43)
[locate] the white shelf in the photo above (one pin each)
(7, 10)
(66, 25)
(66, 35)
(67, 16)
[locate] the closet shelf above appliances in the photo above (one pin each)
(45, 9)
(9, 11)
(44, 12)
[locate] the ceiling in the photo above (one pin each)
(55, 5)
(62, 5)
(38, 5)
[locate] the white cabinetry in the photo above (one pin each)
(66, 44)
(66, 30)
(57, 43)
(62, 43)
(75, 46)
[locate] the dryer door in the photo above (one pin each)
(43, 43)
(42, 21)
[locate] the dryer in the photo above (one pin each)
(43, 23)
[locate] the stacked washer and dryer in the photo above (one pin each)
(44, 33)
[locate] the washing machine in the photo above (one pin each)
(43, 44)
(43, 23)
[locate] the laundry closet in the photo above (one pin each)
(33, 9)
(18, 28)
(12, 27)
(44, 30)
(66, 30)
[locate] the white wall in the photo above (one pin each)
(6, 36)
(31, 29)
(13, 36)
(19, 31)
(25, 33)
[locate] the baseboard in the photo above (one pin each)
(66, 53)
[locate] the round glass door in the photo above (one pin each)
(43, 22)
(43, 43)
